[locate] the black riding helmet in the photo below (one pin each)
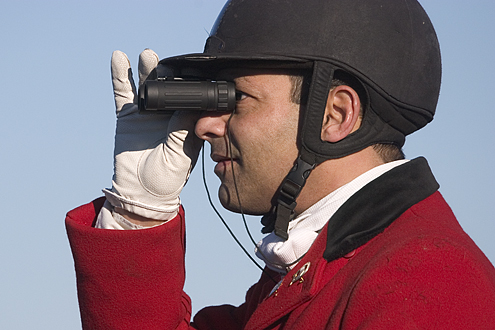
(389, 46)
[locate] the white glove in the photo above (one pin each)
(154, 154)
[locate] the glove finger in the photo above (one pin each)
(181, 134)
(148, 60)
(124, 89)
(164, 170)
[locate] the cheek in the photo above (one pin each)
(271, 144)
(283, 132)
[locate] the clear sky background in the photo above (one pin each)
(57, 127)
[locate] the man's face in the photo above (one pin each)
(260, 136)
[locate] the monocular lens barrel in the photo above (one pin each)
(164, 96)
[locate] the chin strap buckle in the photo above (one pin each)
(280, 216)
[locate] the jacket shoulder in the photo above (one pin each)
(426, 270)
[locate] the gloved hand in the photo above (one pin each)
(154, 154)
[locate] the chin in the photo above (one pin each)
(231, 203)
(245, 209)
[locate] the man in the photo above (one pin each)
(357, 236)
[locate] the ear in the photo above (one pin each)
(342, 114)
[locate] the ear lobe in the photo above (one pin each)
(342, 114)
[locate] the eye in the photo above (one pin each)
(239, 96)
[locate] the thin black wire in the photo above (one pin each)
(240, 210)
(237, 190)
(221, 218)
(286, 266)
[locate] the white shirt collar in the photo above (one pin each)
(282, 255)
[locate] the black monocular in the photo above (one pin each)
(166, 95)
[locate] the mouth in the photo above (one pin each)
(224, 163)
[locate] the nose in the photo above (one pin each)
(212, 125)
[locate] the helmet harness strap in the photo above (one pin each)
(282, 213)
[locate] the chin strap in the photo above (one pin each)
(282, 212)
(279, 217)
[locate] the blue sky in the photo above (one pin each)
(57, 126)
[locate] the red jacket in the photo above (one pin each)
(398, 264)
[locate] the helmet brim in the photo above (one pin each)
(210, 63)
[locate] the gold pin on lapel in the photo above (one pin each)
(299, 275)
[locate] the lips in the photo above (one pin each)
(224, 163)
(218, 158)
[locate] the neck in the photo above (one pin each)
(333, 174)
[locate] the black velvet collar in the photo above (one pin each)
(373, 208)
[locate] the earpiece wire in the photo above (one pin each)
(220, 216)
(286, 266)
